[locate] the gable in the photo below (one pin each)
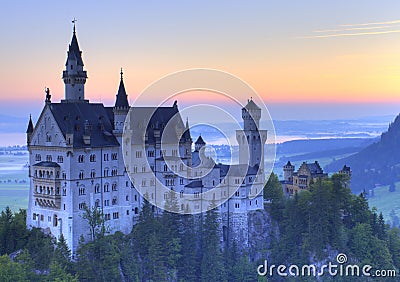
(47, 131)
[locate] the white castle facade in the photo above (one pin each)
(76, 160)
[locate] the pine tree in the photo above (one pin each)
(189, 264)
(212, 263)
(62, 254)
(169, 235)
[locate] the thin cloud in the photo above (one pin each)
(347, 30)
(354, 28)
(352, 34)
(372, 23)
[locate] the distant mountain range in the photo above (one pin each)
(378, 163)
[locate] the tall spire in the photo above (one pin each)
(30, 125)
(122, 99)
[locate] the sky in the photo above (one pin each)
(307, 59)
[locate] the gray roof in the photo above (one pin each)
(74, 53)
(71, 118)
(251, 105)
(200, 141)
(156, 118)
(236, 170)
(195, 184)
(30, 125)
(122, 98)
(47, 164)
(315, 168)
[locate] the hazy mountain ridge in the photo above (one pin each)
(379, 163)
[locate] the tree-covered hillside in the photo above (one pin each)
(379, 163)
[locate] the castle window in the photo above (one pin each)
(64, 175)
(126, 183)
(127, 198)
(82, 191)
(92, 158)
(181, 194)
(150, 153)
(48, 158)
(114, 201)
(105, 172)
(138, 154)
(136, 210)
(106, 188)
(143, 169)
(114, 172)
(237, 205)
(105, 157)
(97, 203)
(127, 212)
(180, 167)
(135, 169)
(135, 198)
(114, 187)
(81, 158)
(60, 159)
(115, 215)
(174, 153)
(237, 194)
(181, 181)
(196, 195)
(152, 182)
(106, 203)
(82, 205)
(144, 183)
(48, 137)
(81, 174)
(93, 174)
(97, 188)
(165, 167)
(64, 192)
(114, 156)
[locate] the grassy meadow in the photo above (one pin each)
(14, 181)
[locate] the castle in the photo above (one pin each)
(76, 161)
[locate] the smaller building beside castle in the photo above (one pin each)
(307, 174)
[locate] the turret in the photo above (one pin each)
(29, 131)
(121, 107)
(199, 144)
(288, 171)
(74, 76)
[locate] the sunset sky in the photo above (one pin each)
(298, 55)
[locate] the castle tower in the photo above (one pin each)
(121, 107)
(288, 171)
(251, 139)
(74, 76)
